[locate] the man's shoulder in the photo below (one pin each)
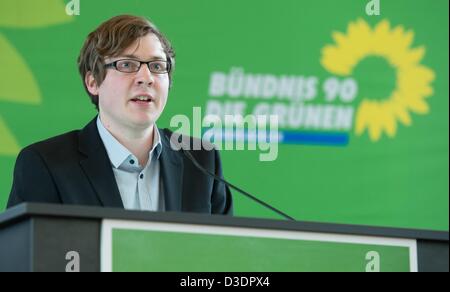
(56, 146)
(67, 144)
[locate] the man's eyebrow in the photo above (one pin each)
(137, 58)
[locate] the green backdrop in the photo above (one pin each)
(388, 164)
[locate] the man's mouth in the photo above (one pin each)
(142, 99)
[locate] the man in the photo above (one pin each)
(121, 159)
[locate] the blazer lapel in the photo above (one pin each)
(171, 164)
(97, 166)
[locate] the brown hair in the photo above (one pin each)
(110, 39)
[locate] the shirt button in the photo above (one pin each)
(141, 176)
(131, 161)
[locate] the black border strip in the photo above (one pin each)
(27, 210)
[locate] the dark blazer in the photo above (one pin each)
(75, 169)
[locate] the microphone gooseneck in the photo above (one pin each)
(202, 169)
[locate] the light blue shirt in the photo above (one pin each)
(140, 187)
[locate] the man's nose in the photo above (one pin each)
(144, 76)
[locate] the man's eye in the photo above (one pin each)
(125, 64)
(158, 66)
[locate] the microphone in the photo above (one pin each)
(202, 169)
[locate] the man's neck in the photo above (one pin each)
(138, 142)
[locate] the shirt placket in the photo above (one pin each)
(143, 188)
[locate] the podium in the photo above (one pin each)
(44, 237)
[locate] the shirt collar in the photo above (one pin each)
(118, 153)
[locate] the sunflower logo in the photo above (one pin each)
(14, 71)
(413, 80)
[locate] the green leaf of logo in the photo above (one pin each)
(14, 72)
(32, 13)
(9, 145)
(13, 66)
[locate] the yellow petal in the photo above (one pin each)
(402, 39)
(339, 38)
(382, 27)
(375, 131)
(418, 106)
(362, 117)
(414, 81)
(400, 110)
(334, 62)
(389, 122)
(409, 58)
(17, 83)
(9, 145)
(405, 40)
(360, 39)
(375, 122)
(381, 37)
(32, 13)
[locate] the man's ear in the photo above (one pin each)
(91, 84)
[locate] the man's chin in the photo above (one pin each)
(143, 123)
(143, 119)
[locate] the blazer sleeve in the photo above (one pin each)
(32, 180)
(221, 199)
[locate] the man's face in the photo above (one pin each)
(119, 91)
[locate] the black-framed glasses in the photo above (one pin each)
(133, 66)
